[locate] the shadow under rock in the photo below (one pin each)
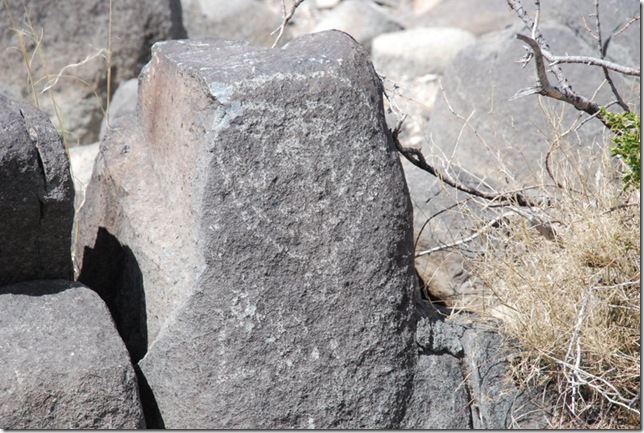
(111, 270)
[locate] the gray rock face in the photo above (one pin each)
(462, 379)
(63, 363)
(264, 204)
(36, 197)
(396, 54)
(478, 17)
(75, 30)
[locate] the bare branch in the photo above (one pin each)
(592, 61)
(546, 89)
(627, 25)
(416, 157)
(286, 17)
(467, 239)
(602, 52)
(538, 37)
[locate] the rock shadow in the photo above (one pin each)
(112, 271)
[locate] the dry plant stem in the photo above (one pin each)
(22, 48)
(443, 210)
(546, 89)
(538, 37)
(602, 53)
(605, 389)
(109, 65)
(576, 340)
(286, 17)
(467, 239)
(416, 157)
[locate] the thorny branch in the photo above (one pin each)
(546, 89)
(564, 91)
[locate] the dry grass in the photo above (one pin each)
(30, 42)
(573, 303)
(570, 303)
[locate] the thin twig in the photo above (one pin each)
(603, 47)
(467, 239)
(529, 24)
(286, 17)
(593, 61)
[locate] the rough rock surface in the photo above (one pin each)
(73, 31)
(81, 160)
(264, 206)
(123, 103)
(478, 17)
(462, 378)
(63, 363)
(36, 197)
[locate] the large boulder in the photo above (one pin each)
(64, 365)
(36, 197)
(257, 205)
(478, 17)
(66, 38)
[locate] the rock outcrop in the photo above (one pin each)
(261, 198)
(64, 365)
(36, 197)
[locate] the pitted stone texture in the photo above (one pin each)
(265, 205)
(36, 197)
(63, 363)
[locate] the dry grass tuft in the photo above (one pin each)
(572, 304)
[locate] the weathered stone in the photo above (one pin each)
(263, 202)
(463, 378)
(71, 32)
(396, 54)
(362, 20)
(478, 17)
(624, 48)
(36, 197)
(63, 363)
(440, 399)
(123, 103)
(81, 160)
(242, 20)
(496, 401)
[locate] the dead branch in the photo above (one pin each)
(592, 61)
(417, 158)
(541, 41)
(546, 89)
(286, 17)
(603, 47)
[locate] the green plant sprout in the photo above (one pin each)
(626, 127)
